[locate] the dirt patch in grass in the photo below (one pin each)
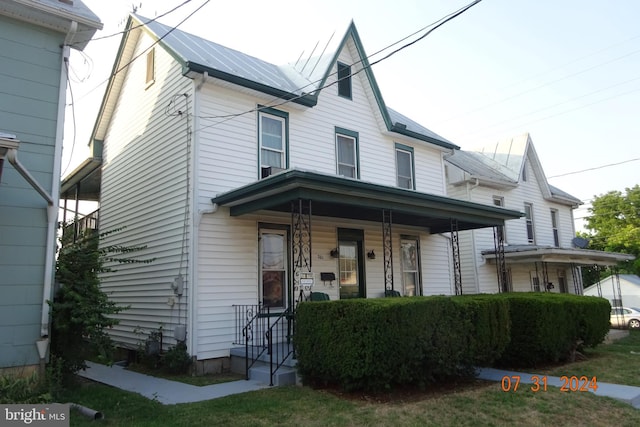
(406, 394)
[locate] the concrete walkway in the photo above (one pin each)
(164, 391)
(171, 392)
(624, 393)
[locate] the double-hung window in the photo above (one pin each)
(273, 136)
(405, 171)
(273, 267)
(554, 227)
(528, 213)
(410, 262)
(347, 153)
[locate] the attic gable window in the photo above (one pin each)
(151, 65)
(344, 80)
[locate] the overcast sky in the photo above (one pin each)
(567, 72)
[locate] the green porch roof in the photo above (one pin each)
(339, 197)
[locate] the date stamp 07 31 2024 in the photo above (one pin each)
(536, 383)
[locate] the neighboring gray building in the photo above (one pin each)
(620, 290)
(35, 40)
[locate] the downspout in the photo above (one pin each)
(52, 210)
(193, 262)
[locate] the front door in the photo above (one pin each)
(351, 265)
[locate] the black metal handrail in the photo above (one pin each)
(279, 347)
(253, 333)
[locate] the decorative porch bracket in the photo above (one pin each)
(577, 279)
(501, 265)
(301, 242)
(455, 250)
(387, 249)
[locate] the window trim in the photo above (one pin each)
(530, 222)
(419, 290)
(284, 230)
(409, 150)
(342, 81)
(554, 227)
(279, 115)
(353, 135)
(150, 76)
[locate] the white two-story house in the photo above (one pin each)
(537, 252)
(256, 184)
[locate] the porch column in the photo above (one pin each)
(501, 265)
(455, 246)
(301, 246)
(387, 249)
(545, 276)
(598, 285)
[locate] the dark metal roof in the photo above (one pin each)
(340, 197)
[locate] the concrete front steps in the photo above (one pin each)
(287, 374)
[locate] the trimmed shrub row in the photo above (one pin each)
(374, 344)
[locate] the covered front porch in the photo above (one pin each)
(344, 238)
(549, 269)
(350, 204)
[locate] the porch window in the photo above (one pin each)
(528, 213)
(344, 80)
(273, 135)
(273, 268)
(535, 281)
(347, 153)
(410, 262)
(554, 227)
(405, 171)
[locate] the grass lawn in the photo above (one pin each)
(472, 403)
(612, 363)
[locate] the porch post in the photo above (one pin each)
(545, 276)
(387, 250)
(577, 279)
(455, 246)
(598, 286)
(300, 244)
(501, 266)
(615, 283)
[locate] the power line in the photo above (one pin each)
(271, 104)
(595, 168)
(132, 28)
(148, 48)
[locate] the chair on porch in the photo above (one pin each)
(319, 296)
(392, 293)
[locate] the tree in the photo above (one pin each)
(80, 310)
(614, 225)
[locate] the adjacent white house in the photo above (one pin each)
(253, 184)
(536, 252)
(620, 290)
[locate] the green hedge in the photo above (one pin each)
(548, 327)
(377, 343)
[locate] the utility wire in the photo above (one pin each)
(595, 168)
(132, 28)
(439, 23)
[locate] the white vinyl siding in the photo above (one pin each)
(144, 190)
